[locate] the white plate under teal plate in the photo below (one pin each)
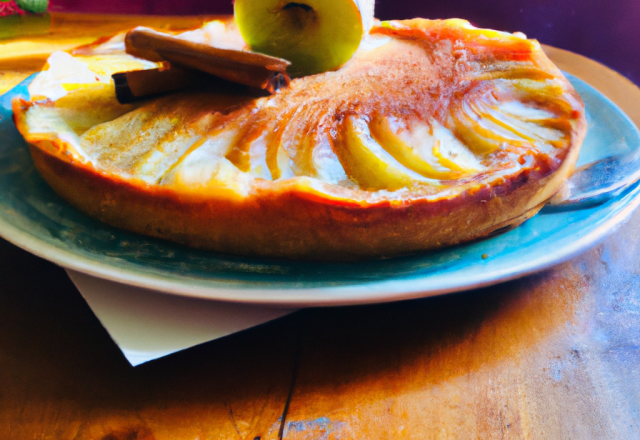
(33, 217)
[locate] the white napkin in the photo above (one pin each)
(147, 325)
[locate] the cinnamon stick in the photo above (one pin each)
(142, 84)
(244, 67)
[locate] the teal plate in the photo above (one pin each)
(33, 217)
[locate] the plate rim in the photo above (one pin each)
(377, 291)
(367, 292)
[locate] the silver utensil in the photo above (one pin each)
(596, 183)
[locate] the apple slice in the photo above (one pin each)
(315, 35)
(486, 124)
(405, 152)
(367, 163)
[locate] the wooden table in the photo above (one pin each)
(550, 356)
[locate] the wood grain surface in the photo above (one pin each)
(550, 356)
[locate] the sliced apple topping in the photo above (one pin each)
(489, 119)
(309, 151)
(418, 148)
(266, 159)
(451, 153)
(367, 163)
(257, 159)
(298, 138)
(326, 163)
(204, 166)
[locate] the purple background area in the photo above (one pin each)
(605, 30)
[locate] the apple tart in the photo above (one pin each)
(433, 134)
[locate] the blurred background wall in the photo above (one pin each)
(605, 30)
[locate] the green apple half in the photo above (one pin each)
(314, 35)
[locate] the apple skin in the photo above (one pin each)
(314, 35)
(33, 6)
